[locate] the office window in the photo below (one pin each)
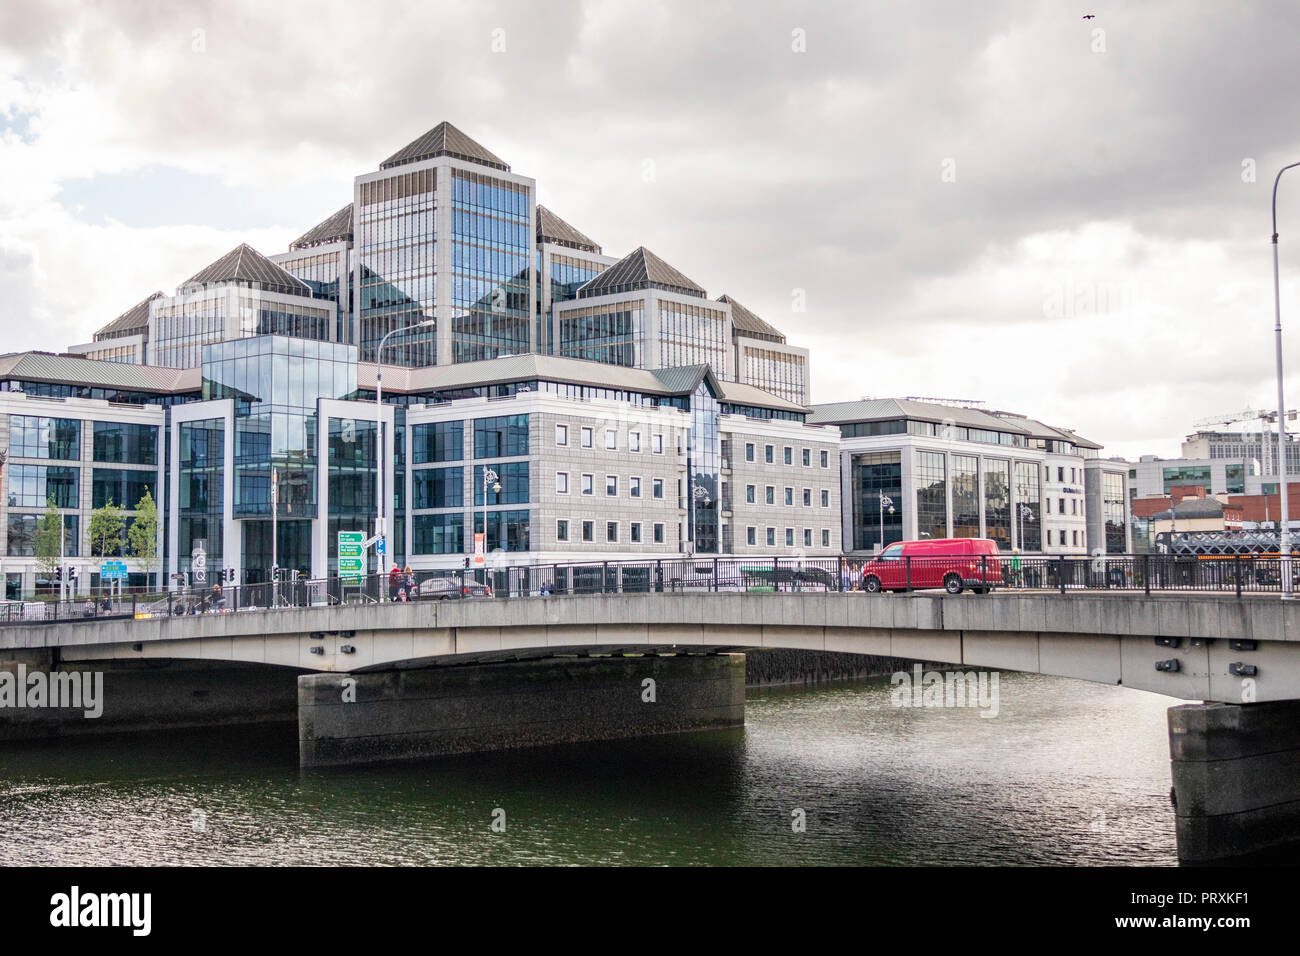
(503, 436)
(611, 439)
(769, 454)
(588, 531)
(1049, 505)
(750, 494)
(749, 451)
(659, 533)
(588, 484)
(633, 441)
(826, 498)
(807, 457)
(611, 530)
(1075, 536)
(658, 487)
(789, 455)
(611, 485)
(586, 437)
(1060, 475)
(751, 535)
(1074, 506)
(826, 538)
(436, 441)
(561, 434)
(789, 497)
(807, 537)
(771, 537)
(125, 443)
(562, 529)
(636, 532)
(807, 497)
(634, 487)
(770, 493)
(826, 459)
(789, 537)
(31, 436)
(561, 482)
(658, 444)
(1061, 509)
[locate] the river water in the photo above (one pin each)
(1067, 772)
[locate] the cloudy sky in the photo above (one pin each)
(993, 201)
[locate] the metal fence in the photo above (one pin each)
(1226, 574)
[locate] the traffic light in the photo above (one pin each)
(58, 575)
(72, 574)
(275, 572)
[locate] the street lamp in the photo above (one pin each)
(379, 441)
(1285, 542)
(1024, 512)
(885, 502)
(490, 477)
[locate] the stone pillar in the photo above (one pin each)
(370, 717)
(1236, 771)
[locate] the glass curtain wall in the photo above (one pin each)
(202, 467)
(997, 502)
(965, 496)
(703, 453)
(1115, 512)
(931, 495)
(875, 475)
(1028, 506)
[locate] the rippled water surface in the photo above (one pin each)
(1067, 772)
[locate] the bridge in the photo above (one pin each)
(404, 680)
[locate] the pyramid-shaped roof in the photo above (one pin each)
(244, 264)
(130, 322)
(640, 269)
(337, 227)
(748, 324)
(444, 140)
(551, 228)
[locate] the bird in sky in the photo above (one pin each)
(1090, 16)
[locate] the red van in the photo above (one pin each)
(948, 563)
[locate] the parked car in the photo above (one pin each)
(443, 589)
(949, 563)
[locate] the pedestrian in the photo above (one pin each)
(90, 608)
(108, 603)
(1015, 567)
(217, 599)
(394, 582)
(409, 581)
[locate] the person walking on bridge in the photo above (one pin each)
(394, 582)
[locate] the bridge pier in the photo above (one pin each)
(1236, 772)
(376, 716)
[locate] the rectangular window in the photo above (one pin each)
(124, 487)
(586, 437)
(561, 434)
(504, 436)
(749, 451)
(1074, 506)
(751, 535)
(636, 532)
(826, 498)
(562, 529)
(432, 488)
(750, 494)
(771, 537)
(611, 439)
(31, 436)
(826, 538)
(1061, 510)
(789, 537)
(634, 487)
(32, 486)
(588, 531)
(438, 534)
(807, 537)
(125, 443)
(611, 486)
(807, 457)
(658, 445)
(1075, 536)
(437, 441)
(770, 495)
(633, 441)
(561, 482)
(769, 454)
(789, 455)
(588, 484)
(1060, 475)
(807, 497)
(826, 459)
(659, 533)
(658, 486)
(789, 497)
(611, 530)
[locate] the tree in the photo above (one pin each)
(142, 536)
(106, 530)
(47, 544)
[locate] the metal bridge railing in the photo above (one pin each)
(1234, 574)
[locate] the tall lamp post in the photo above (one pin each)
(1285, 542)
(885, 502)
(490, 477)
(379, 442)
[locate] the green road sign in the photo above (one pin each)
(352, 559)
